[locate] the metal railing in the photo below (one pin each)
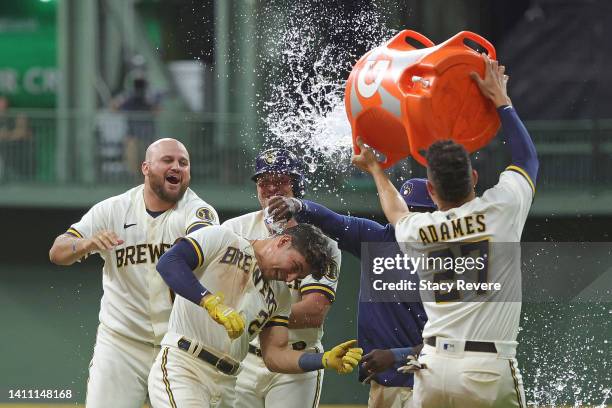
(41, 154)
(572, 153)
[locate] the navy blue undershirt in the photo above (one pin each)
(155, 214)
(522, 149)
(176, 268)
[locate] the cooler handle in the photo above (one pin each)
(389, 161)
(399, 41)
(478, 40)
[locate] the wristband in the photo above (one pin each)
(311, 362)
(401, 354)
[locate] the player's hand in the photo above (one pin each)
(224, 315)
(494, 84)
(412, 365)
(366, 159)
(343, 358)
(102, 241)
(284, 208)
(377, 361)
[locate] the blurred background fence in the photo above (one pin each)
(575, 155)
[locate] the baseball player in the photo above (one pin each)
(470, 346)
(232, 290)
(278, 173)
(386, 352)
(130, 232)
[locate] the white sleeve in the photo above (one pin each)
(403, 228)
(328, 284)
(95, 220)
(514, 193)
(206, 243)
(200, 214)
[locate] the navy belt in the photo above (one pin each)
(225, 365)
(480, 346)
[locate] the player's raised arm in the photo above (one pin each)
(347, 230)
(391, 201)
(280, 358)
(523, 151)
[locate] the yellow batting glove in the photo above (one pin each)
(223, 314)
(343, 358)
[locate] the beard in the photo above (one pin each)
(157, 185)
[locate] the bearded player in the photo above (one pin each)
(130, 232)
(278, 173)
(232, 290)
(469, 346)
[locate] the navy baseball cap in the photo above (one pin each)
(281, 161)
(415, 194)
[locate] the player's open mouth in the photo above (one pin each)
(173, 179)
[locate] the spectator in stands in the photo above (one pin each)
(140, 124)
(16, 145)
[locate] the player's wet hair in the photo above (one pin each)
(310, 241)
(450, 169)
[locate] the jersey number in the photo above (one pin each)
(256, 324)
(467, 250)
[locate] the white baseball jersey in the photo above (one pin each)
(227, 265)
(252, 226)
(136, 301)
(496, 217)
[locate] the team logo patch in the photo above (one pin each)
(331, 271)
(408, 189)
(270, 157)
(204, 213)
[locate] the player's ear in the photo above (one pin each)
(474, 178)
(284, 240)
(430, 189)
(145, 168)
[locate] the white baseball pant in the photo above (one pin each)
(258, 387)
(118, 371)
(180, 379)
(457, 378)
(389, 397)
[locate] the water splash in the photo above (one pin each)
(311, 47)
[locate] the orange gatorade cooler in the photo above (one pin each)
(400, 99)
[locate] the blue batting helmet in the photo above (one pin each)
(281, 161)
(414, 192)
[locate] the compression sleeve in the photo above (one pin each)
(176, 268)
(350, 232)
(522, 149)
